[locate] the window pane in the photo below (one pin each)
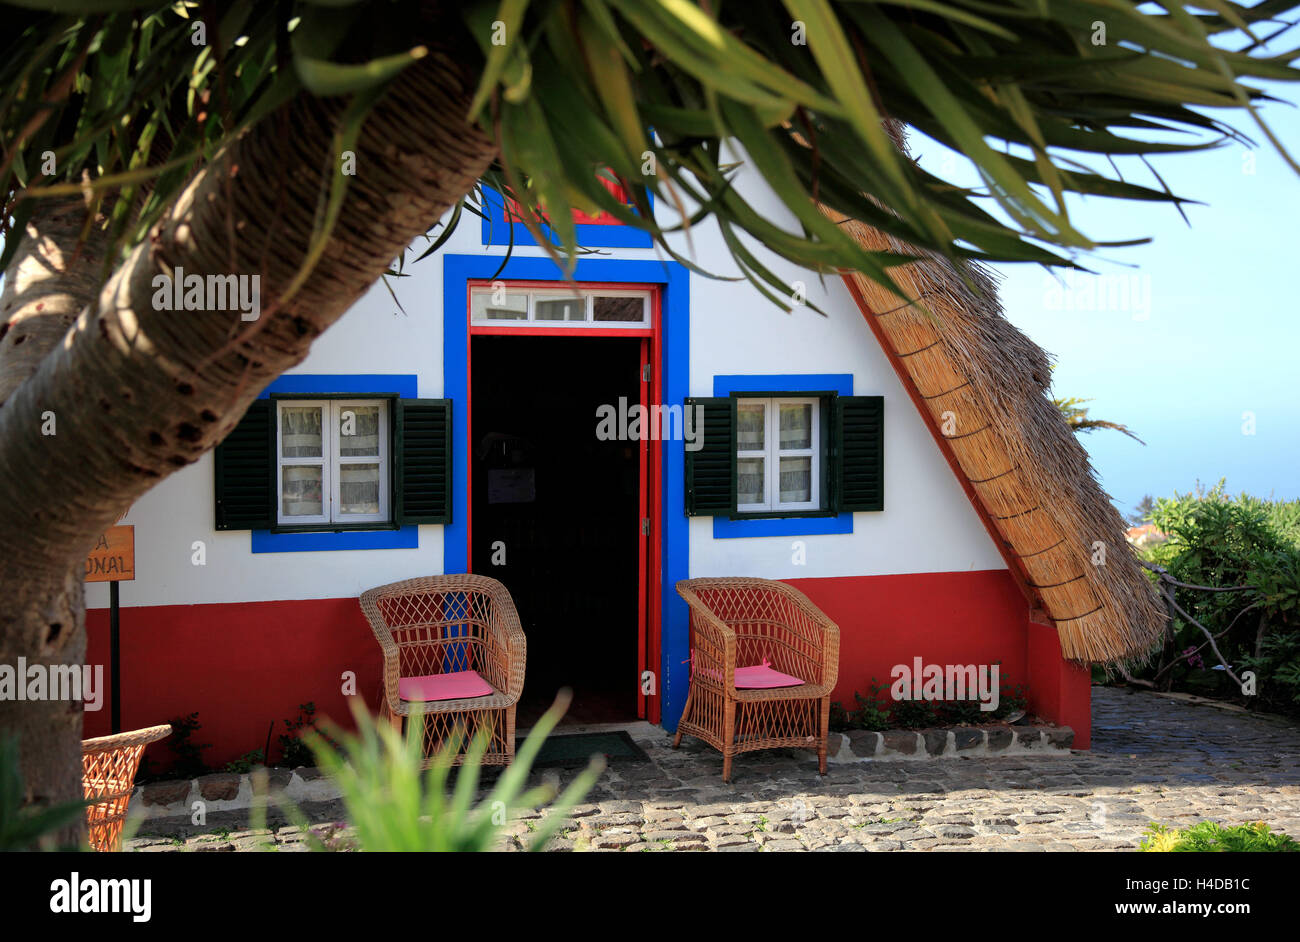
(302, 491)
(359, 431)
(359, 488)
(796, 425)
(499, 306)
(750, 426)
(796, 480)
(618, 309)
(300, 431)
(749, 481)
(559, 309)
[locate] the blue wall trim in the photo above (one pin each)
(370, 384)
(403, 385)
(724, 528)
(675, 311)
(841, 383)
(495, 232)
(264, 541)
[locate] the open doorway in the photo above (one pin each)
(556, 513)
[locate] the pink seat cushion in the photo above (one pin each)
(761, 677)
(456, 686)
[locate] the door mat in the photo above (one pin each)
(575, 749)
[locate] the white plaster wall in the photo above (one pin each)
(928, 524)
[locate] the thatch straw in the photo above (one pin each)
(1013, 446)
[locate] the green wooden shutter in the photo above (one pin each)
(859, 453)
(422, 471)
(245, 471)
(711, 470)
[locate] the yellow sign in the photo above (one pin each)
(113, 558)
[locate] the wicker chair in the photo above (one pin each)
(747, 622)
(108, 767)
(445, 624)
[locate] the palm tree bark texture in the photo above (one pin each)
(132, 394)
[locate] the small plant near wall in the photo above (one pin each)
(1210, 836)
(247, 762)
(294, 752)
(187, 755)
(877, 713)
(869, 715)
(914, 714)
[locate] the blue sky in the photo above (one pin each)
(1206, 329)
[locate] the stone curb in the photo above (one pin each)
(957, 742)
(226, 791)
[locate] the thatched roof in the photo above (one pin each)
(1025, 471)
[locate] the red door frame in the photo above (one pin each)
(650, 492)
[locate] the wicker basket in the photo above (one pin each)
(108, 767)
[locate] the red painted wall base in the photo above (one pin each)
(245, 666)
(242, 666)
(1061, 689)
(950, 618)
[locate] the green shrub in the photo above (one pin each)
(1209, 836)
(1222, 541)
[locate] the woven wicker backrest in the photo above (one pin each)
(440, 624)
(771, 620)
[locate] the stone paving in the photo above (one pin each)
(1152, 759)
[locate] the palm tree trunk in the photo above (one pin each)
(54, 274)
(136, 393)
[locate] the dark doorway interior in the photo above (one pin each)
(562, 508)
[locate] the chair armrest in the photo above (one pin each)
(826, 634)
(507, 635)
(717, 652)
(392, 659)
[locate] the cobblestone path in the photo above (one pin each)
(1153, 759)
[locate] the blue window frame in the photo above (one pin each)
(401, 385)
(726, 528)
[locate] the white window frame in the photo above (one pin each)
(561, 291)
(772, 452)
(331, 460)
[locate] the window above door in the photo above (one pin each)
(502, 304)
